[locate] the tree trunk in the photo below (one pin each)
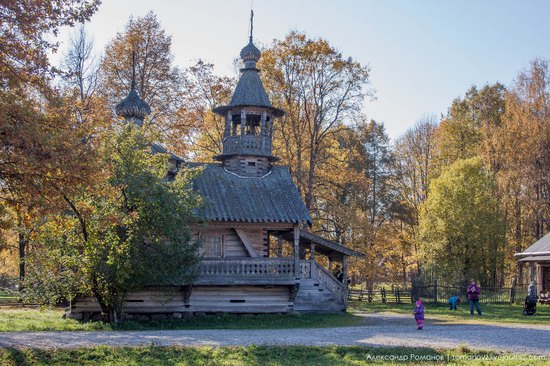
(22, 256)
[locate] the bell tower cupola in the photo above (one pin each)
(249, 118)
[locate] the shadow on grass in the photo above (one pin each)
(233, 321)
(50, 320)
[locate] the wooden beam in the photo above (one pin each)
(345, 266)
(297, 250)
(247, 243)
(280, 247)
(345, 278)
(312, 251)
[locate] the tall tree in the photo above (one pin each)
(158, 81)
(462, 228)
(414, 152)
(379, 170)
(523, 158)
(80, 73)
(128, 230)
(320, 90)
(26, 29)
(40, 152)
(470, 124)
(202, 91)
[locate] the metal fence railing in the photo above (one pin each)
(437, 294)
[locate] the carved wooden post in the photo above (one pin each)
(186, 296)
(263, 125)
(243, 123)
(227, 125)
(531, 271)
(312, 252)
(280, 246)
(345, 277)
(297, 250)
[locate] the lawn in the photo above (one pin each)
(7, 297)
(258, 355)
(492, 313)
(32, 319)
(50, 319)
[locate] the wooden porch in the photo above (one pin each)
(247, 271)
(267, 272)
(243, 285)
(254, 283)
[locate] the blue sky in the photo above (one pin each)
(422, 54)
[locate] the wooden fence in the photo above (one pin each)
(437, 294)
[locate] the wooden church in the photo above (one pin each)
(256, 255)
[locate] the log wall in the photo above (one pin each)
(207, 299)
(233, 246)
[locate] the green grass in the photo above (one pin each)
(7, 297)
(50, 319)
(257, 355)
(492, 313)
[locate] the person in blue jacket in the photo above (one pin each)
(453, 301)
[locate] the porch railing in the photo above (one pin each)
(329, 281)
(264, 269)
(313, 270)
(253, 267)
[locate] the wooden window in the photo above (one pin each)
(212, 246)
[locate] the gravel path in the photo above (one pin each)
(378, 330)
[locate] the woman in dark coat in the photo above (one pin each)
(473, 297)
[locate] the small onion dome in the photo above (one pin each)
(250, 54)
(132, 106)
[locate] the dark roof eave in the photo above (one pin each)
(222, 110)
(221, 219)
(531, 254)
(222, 157)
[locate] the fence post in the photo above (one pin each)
(383, 293)
(397, 297)
(435, 292)
(513, 291)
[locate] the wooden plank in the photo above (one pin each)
(258, 238)
(247, 243)
(266, 280)
(234, 299)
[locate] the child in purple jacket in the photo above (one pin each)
(419, 314)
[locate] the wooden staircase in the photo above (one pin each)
(319, 290)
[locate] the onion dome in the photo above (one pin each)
(133, 107)
(250, 54)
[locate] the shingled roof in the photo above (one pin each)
(250, 90)
(323, 246)
(228, 197)
(538, 250)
